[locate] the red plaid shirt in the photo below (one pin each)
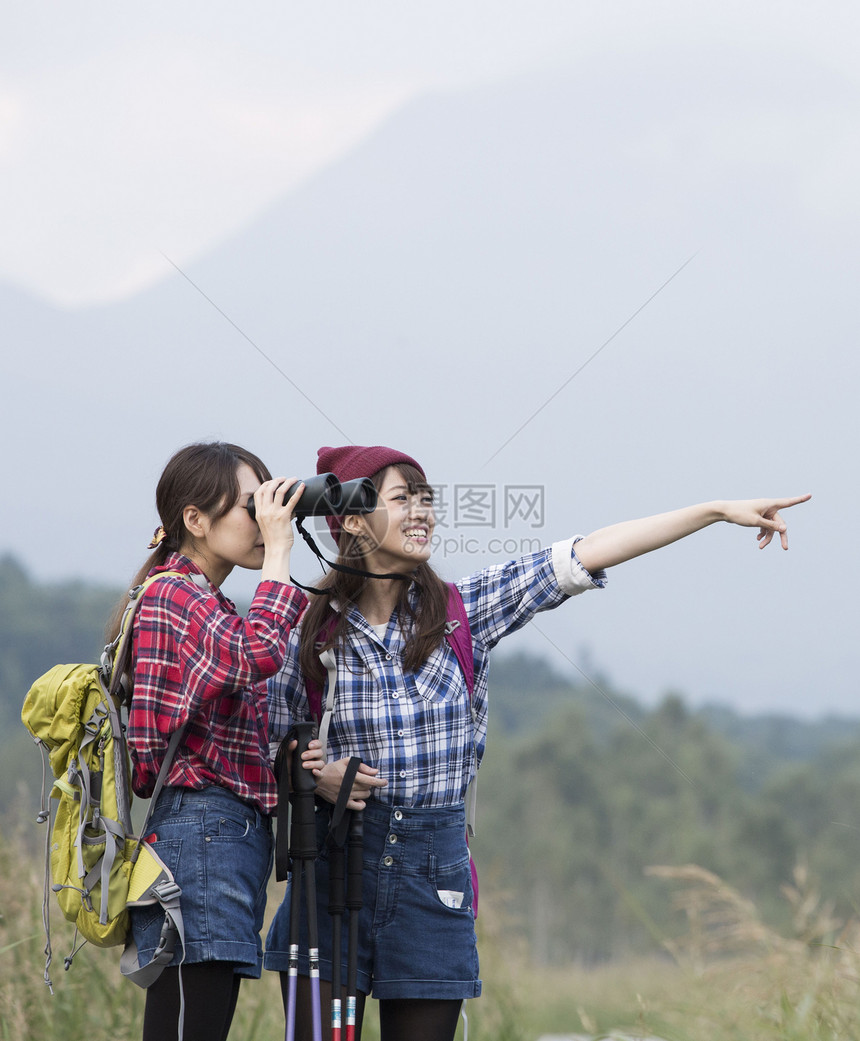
(196, 658)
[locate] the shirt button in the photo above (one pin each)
(392, 839)
(398, 815)
(402, 773)
(400, 733)
(395, 694)
(388, 657)
(388, 861)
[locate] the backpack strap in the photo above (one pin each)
(314, 689)
(459, 636)
(162, 888)
(116, 657)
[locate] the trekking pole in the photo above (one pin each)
(354, 866)
(302, 854)
(336, 908)
(313, 949)
(293, 967)
(337, 836)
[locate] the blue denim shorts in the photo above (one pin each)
(219, 849)
(416, 926)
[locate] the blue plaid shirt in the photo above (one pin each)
(417, 727)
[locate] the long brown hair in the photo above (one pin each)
(427, 618)
(204, 475)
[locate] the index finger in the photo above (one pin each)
(783, 504)
(297, 488)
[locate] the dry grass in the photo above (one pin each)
(728, 977)
(750, 981)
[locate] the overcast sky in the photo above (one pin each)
(129, 135)
(127, 131)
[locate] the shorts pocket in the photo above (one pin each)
(227, 826)
(452, 883)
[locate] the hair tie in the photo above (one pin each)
(158, 536)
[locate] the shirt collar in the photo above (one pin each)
(179, 562)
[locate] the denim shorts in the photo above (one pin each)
(416, 926)
(219, 849)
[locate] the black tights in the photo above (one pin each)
(405, 1019)
(211, 991)
(418, 1019)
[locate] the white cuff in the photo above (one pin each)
(571, 575)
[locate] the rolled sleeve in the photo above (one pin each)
(279, 600)
(572, 577)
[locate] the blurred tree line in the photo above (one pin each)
(582, 788)
(589, 788)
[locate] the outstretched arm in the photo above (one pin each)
(619, 542)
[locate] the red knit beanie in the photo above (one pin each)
(352, 461)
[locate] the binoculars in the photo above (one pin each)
(325, 496)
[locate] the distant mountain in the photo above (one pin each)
(472, 253)
(768, 742)
(441, 287)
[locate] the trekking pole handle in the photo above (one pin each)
(303, 833)
(303, 781)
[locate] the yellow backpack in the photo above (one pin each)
(93, 861)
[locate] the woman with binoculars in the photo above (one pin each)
(200, 666)
(398, 697)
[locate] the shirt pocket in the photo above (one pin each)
(439, 681)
